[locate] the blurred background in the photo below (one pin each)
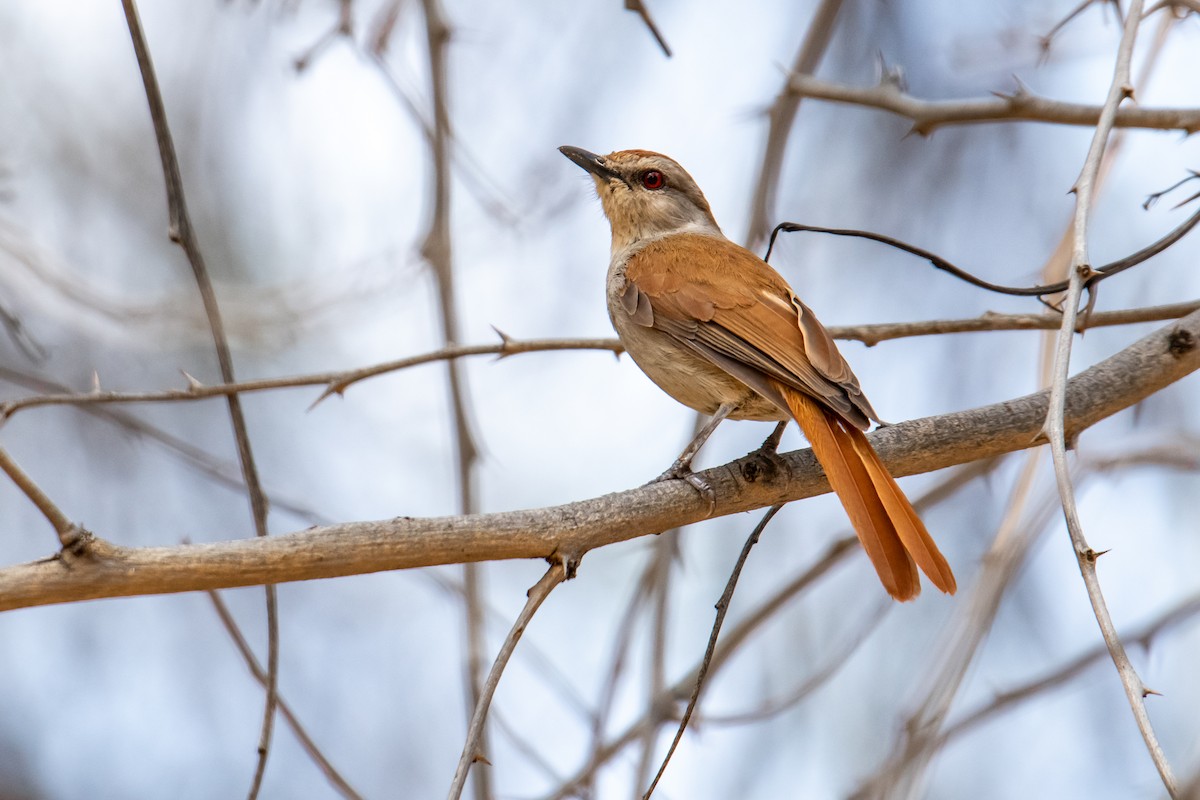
(309, 177)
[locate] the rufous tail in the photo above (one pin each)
(886, 523)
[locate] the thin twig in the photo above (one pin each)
(181, 232)
(640, 9)
(1019, 106)
(220, 471)
(1055, 428)
(473, 747)
(665, 549)
(937, 262)
(706, 662)
(69, 534)
(239, 641)
(836, 656)
(337, 382)
(1048, 38)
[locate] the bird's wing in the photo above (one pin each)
(730, 306)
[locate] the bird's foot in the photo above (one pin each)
(683, 472)
(764, 463)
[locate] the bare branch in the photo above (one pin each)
(558, 572)
(570, 530)
(337, 382)
(640, 9)
(782, 115)
(1003, 701)
(937, 262)
(181, 232)
(722, 609)
(1019, 106)
(989, 321)
(1055, 426)
(70, 535)
(306, 741)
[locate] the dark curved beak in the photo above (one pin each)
(597, 165)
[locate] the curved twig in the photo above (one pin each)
(1094, 277)
(556, 574)
(722, 609)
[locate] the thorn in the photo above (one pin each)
(890, 77)
(504, 337)
(1097, 553)
(330, 390)
(480, 758)
(1147, 691)
(506, 342)
(1022, 87)
(192, 383)
(95, 382)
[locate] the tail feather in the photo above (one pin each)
(911, 529)
(888, 527)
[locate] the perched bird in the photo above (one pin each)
(719, 330)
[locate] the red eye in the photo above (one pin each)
(653, 179)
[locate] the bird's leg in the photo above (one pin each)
(764, 463)
(770, 446)
(682, 468)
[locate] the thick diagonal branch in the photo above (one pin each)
(571, 530)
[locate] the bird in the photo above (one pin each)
(720, 331)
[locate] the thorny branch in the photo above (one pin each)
(1018, 106)
(339, 381)
(1055, 425)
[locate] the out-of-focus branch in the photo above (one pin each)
(1009, 698)
(916, 446)
(437, 251)
(70, 535)
(1054, 429)
(181, 232)
(782, 115)
(306, 741)
(1019, 106)
(638, 7)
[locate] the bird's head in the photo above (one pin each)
(645, 195)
